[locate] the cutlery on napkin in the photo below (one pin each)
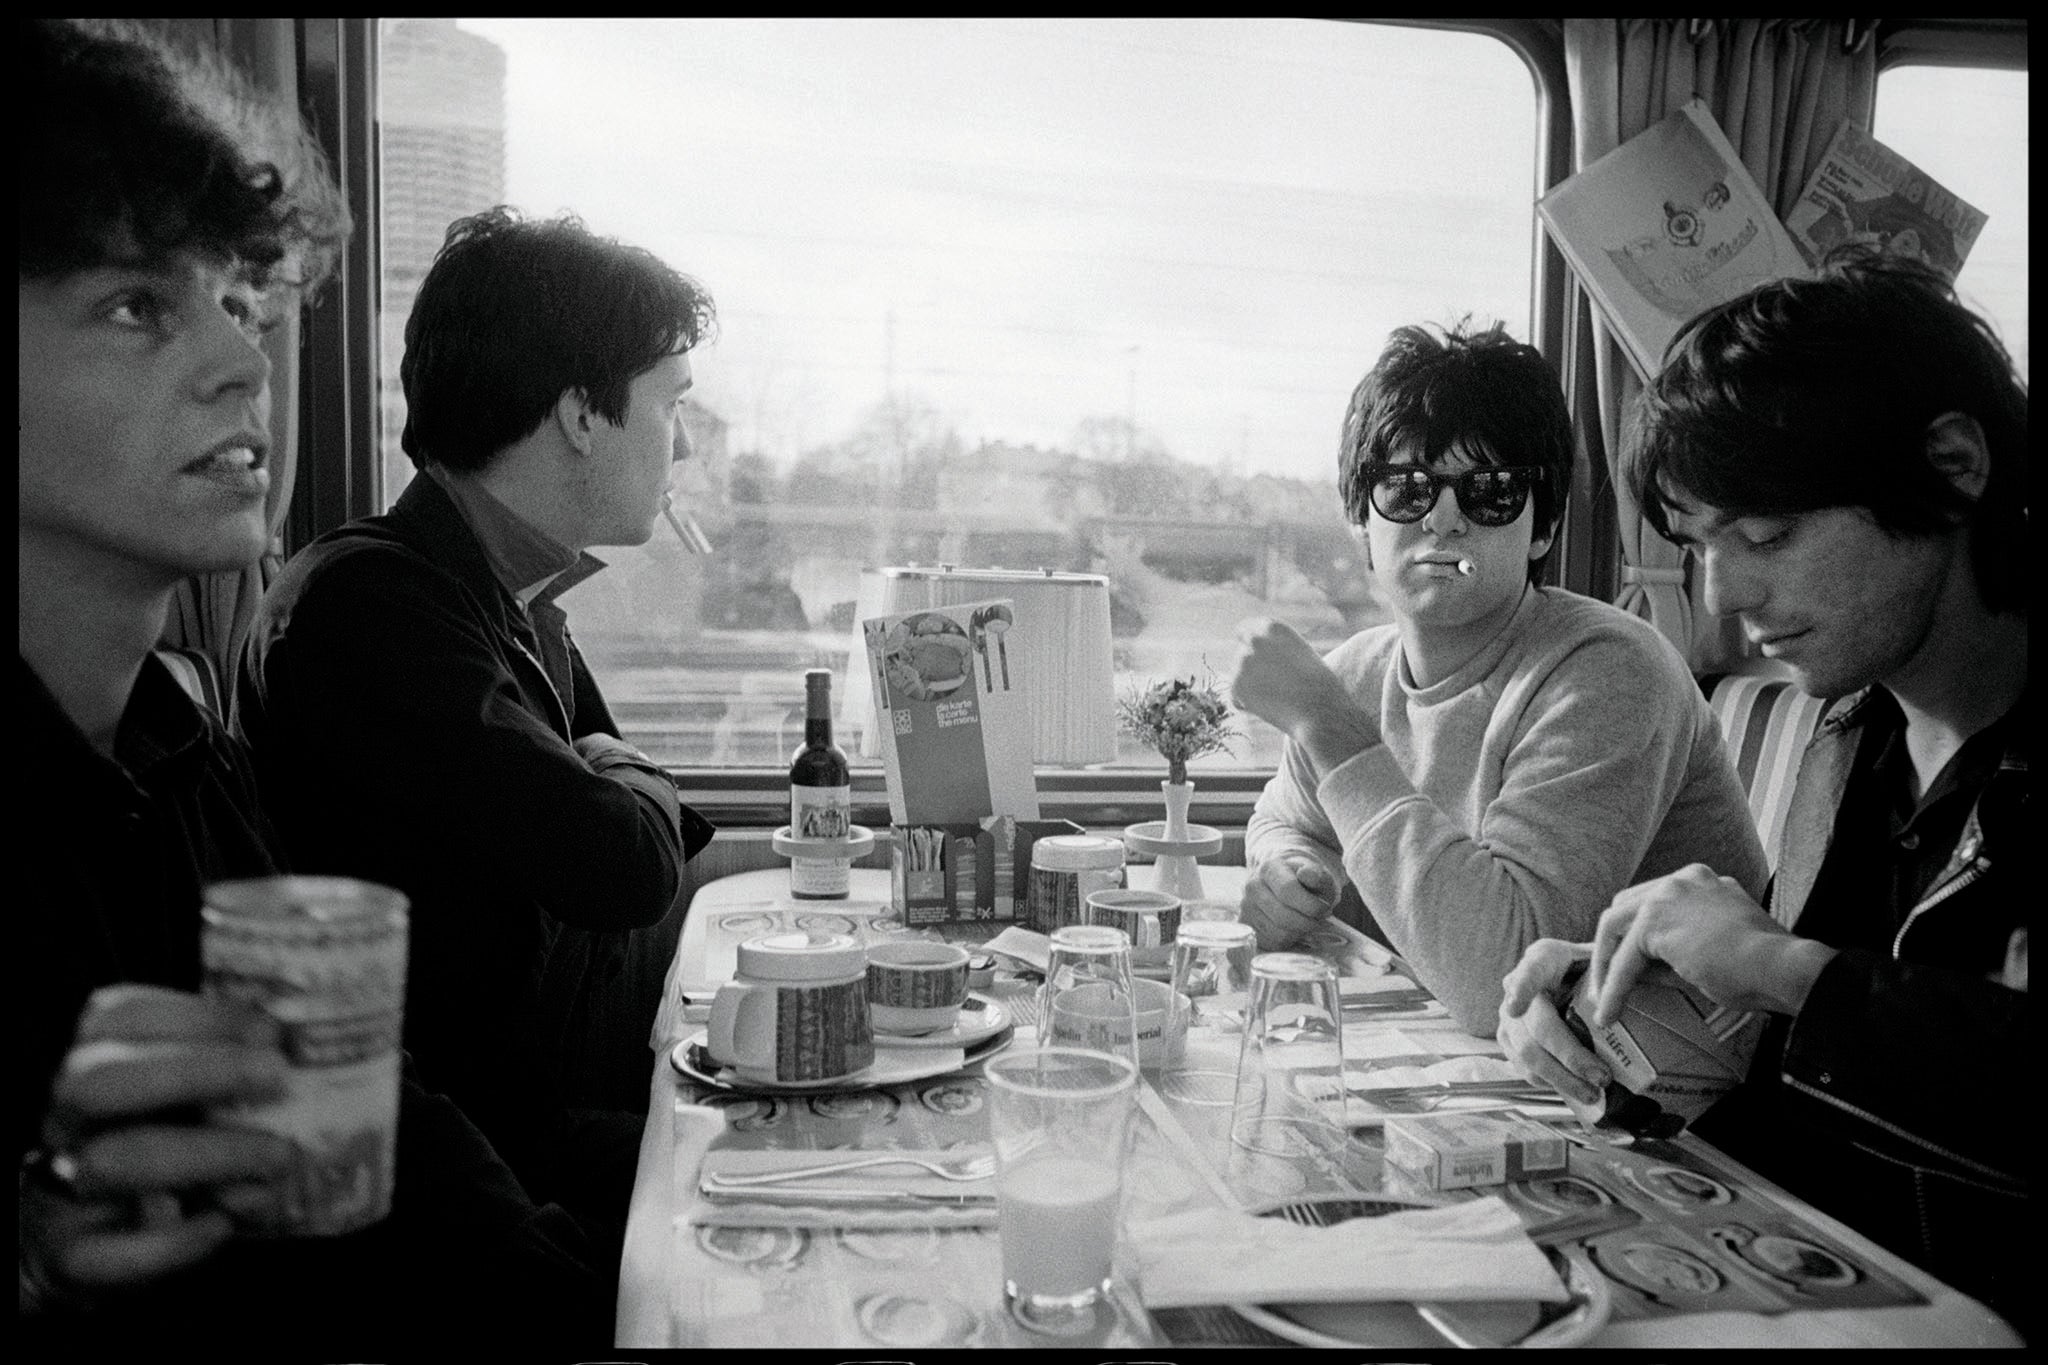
(872, 1197)
(1471, 1251)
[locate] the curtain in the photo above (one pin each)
(211, 614)
(1778, 88)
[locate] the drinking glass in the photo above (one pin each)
(1289, 1098)
(1211, 968)
(1088, 1001)
(1060, 1119)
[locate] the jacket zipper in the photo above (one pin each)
(1988, 1172)
(1947, 889)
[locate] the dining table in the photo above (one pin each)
(1681, 1245)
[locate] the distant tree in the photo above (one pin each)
(754, 478)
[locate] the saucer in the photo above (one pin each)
(980, 1018)
(893, 1065)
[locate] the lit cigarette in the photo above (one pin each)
(1465, 567)
(688, 531)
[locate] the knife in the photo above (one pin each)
(718, 1192)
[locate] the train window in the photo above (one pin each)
(1076, 294)
(1967, 127)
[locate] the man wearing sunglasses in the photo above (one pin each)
(1499, 760)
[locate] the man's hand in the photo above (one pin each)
(147, 1183)
(1282, 680)
(1708, 930)
(1285, 899)
(1532, 1031)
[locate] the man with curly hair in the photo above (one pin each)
(166, 215)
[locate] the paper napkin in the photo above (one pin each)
(1470, 1251)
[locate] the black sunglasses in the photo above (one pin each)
(1489, 494)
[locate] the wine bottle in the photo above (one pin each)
(820, 796)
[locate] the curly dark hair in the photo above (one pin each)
(1450, 390)
(136, 151)
(1808, 394)
(515, 312)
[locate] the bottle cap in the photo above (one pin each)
(1077, 853)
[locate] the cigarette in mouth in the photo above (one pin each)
(688, 531)
(1465, 567)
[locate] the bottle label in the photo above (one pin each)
(820, 812)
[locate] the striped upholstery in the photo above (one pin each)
(194, 672)
(1766, 722)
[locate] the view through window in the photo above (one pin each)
(1072, 294)
(1967, 127)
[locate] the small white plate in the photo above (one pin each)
(980, 1018)
(1391, 1324)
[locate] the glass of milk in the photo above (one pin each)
(1061, 1120)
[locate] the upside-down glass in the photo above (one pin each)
(1060, 1119)
(1212, 978)
(1088, 1000)
(1289, 1098)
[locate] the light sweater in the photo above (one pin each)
(1571, 757)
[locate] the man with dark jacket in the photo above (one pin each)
(421, 717)
(1846, 458)
(156, 238)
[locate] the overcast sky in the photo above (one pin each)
(1210, 225)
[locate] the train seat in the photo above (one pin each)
(1766, 723)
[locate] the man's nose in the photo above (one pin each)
(1445, 515)
(1726, 586)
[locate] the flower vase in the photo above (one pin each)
(1178, 873)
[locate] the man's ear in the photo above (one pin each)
(1540, 545)
(574, 418)
(1956, 446)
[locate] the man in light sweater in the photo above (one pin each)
(1492, 766)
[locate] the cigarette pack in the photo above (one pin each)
(960, 873)
(1672, 1046)
(1455, 1151)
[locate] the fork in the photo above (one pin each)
(965, 1168)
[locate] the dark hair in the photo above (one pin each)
(1808, 394)
(134, 151)
(516, 312)
(1483, 393)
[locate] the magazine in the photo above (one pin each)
(1864, 192)
(955, 720)
(1665, 226)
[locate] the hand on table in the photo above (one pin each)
(1285, 897)
(1283, 681)
(1707, 929)
(143, 1181)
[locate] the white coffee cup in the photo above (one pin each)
(795, 1011)
(1150, 918)
(916, 986)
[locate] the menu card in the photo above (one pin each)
(955, 718)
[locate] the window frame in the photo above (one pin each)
(339, 472)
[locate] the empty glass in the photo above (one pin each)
(1289, 1098)
(1211, 977)
(1087, 1000)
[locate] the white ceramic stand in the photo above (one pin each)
(1174, 844)
(858, 843)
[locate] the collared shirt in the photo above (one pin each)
(532, 566)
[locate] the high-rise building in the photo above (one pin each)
(441, 111)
